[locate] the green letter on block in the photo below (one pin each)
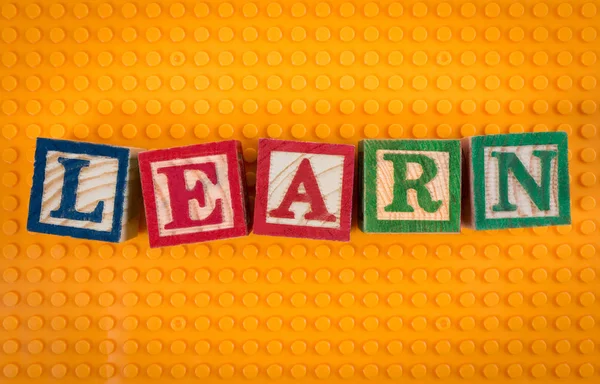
(395, 197)
(402, 184)
(539, 194)
(517, 180)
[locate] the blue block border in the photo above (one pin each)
(43, 145)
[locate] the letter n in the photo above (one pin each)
(509, 163)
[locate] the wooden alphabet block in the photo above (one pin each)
(409, 186)
(195, 193)
(304, 189)
(85, 190)
(517, 180)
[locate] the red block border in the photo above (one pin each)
(232, 149)
(261, 227)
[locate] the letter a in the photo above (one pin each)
(305, 176)
(67, 209)
(181, 196)
(539, 194)
(402, 185)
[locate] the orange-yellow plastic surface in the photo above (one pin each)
(510, 306)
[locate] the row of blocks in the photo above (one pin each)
(303, 189)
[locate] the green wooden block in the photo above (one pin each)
(409, 186)
(517, 180)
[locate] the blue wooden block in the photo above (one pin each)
(85, 190)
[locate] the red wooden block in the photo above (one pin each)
(194, 193)
(304, 189)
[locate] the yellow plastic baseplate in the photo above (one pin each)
(507, 306)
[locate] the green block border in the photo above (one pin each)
(478, 144)
(368, 182)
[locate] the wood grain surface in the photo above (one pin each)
(216, 196)
(304, 189)
(409, 186)
(438, 187)
(516, 180)
(517, 195)
(328, 173)
(97, 183)
(194, 193)
(85, 190)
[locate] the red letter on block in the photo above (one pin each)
(193, 194)
(182, 197)
(305, 177)
(304, 189)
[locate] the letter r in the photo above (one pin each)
(402, 184)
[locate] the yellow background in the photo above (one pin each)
(507, 306)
